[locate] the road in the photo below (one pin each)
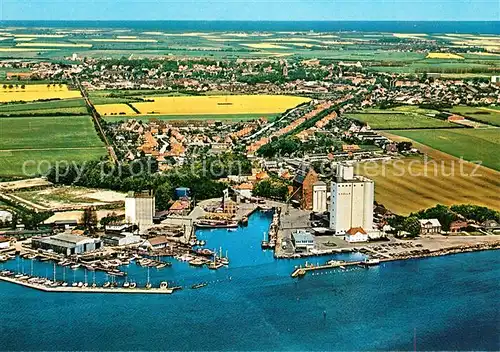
(96, 117)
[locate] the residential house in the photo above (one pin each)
(429, 226)
(4, 242)
(356, 234)
(458, 225)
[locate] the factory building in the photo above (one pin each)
(140, 209)
(319, 197)
(351, 201)
(67, 243)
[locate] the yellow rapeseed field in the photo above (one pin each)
(114, 109)
(264, 46)
(219, 104)
(33, 92)
(444, 56)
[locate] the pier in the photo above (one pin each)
(89, 289)
(301, 271)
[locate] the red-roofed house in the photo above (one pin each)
(356, 234)
(4, 242)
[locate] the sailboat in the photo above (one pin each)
(215, 265)
(74, 284)
(148, 284)
(93, 280)
(225, 260)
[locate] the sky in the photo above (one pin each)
(256, 10)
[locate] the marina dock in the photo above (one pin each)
(301, 271)
(68, 289)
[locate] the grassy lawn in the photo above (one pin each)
(471, 144)
(398, 119)
(225, 117)
(488, 115)
(45, 140)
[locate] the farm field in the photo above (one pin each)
(39, 161)
(47, 139)
(428, 185)
(398, 119)
(114, 109)
(471, 144)
(218, 105)
(75, 105)
(444, 56)
(32, 92)
(486, 115)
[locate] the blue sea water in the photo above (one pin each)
(474, 27)
(443, 303)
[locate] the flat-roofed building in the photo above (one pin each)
(140, 209)
(303, 240)
(121, 239)
(352, 200)
(67, 243)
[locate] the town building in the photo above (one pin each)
(429, 226)
(67, 243)
(490, 225)
(121, 239)
(4, 242)
(5, 216)
(458, 225)
(319, 197)
(303, 187)
(351, 201)
(158, 242)
(140, 209)
(356, 234)
(303, 240)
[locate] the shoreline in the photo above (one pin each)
(480, 247)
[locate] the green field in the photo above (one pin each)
(47, 139)
(228, 117)
(471, 144)
(38, 161)
(405, 118)
(488, 115)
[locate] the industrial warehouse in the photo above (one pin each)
(67, 244)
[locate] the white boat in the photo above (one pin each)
(106, 284)
(74, 267)
(163, 285)
(133, 285)
(372, 261)
(126, 284)
(74, 284)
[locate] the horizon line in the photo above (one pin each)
(237, 20)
